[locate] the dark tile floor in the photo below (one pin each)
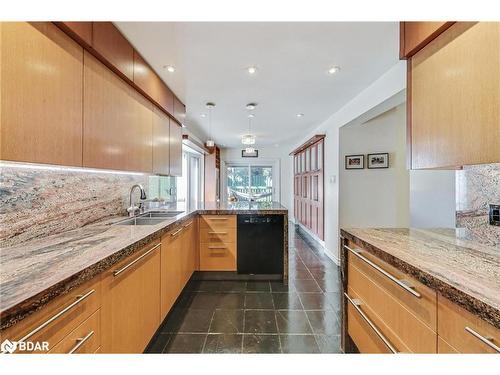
(259, 316)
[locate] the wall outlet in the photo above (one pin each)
(495, 214)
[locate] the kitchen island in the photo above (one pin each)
(415, 290)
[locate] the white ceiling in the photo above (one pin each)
(292, 60)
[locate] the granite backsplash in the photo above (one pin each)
(38, 201)
(477, 187)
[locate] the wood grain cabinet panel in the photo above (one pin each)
(166, 99)
(179, 110)
(117, 121)
(59, 317)
(415, 35)
(131, 301)
(81, 31)
(41, 91)
(85, 339)
(109, 42)
(400, 326)
(171, 286)
(175, 149)
(218, 257)
(161, 142)
(455, 91)
(457, 327)
(145, 78)
(445, 348)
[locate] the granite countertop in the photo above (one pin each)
(35, 272)
(447, 260)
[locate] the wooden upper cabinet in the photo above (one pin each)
(454, 94)
(179, 110)
(109, 42)
(145, 78)
(81, 31)
(175, 149)
(166, 99)
(161, 142)
(41, 91)
(415, 35)
(117, 121)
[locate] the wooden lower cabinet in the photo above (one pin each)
(131, 301)
(171, 285)
(381, 316)
(218, 239)
(465, 332)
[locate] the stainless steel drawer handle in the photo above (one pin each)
(217, 232)
(188, 224)
(356, 303)
(218, 218)
(80, 342)
(217, 247)
(117, 272)
(400, 283)
(176, 232)
(485, 340)
(79, 299)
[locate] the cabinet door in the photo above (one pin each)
(131, 302)
(161, 142)
(455, 91)
(179, 110)
(41, 91)
(109, 42)
(117, 121)
(175, 149)
(166, 99)
(81, 31)
(415, 35)
(170, 270)
(146, 78)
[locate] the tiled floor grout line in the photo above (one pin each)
(209, 326)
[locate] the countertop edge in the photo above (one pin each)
(21, 310)
(475, 306)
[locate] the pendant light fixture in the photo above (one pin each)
(249, 139)
(210, 142)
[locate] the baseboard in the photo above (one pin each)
(319, 243)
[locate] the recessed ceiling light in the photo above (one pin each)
(300, 115)
(203, 115)
(252, 70)
(169, 68)
(251, 106)
(251, 115)
(334, 69)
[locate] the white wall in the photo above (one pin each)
(390, 85)
(267, 154)
(432, 199)
(375, 197)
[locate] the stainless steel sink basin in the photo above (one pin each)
(149, 218)
(141, 221)
(161, 214)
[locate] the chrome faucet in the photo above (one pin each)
(132, 209)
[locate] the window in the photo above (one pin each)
(190, 185)
(249, 183)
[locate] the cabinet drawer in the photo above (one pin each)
(404, 330)
(218, 222)
(423, 307)
(464, 331)
(218, 257)
(61, 316)
(86, 338)
(208, 235)
(364, 336)
(445, 348)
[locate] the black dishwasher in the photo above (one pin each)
(260, 244)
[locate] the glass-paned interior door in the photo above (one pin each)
(249, 183)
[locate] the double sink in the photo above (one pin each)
(149, 218)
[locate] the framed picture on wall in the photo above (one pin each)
(376, 161)
(354, 161)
